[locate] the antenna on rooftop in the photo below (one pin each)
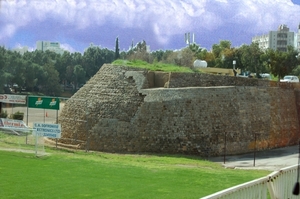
(193, 38)
(187, 38)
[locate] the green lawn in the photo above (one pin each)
(77, 174)
(100, 175)
(154, 66)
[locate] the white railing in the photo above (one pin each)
(277, 185)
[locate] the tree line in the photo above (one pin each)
(50, 73)
(248, 58)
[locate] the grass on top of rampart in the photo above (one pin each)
(154, 66)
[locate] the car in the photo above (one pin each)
(266, 76)
(243, 74)
(290, 78)
(246, 74)
(67, 87)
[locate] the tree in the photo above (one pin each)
(94, 58)
(70, 77)
(18, 76)
(51, 84)
(187, 57)
(296, 71)
(117, 50)
(229, 55)
(238, 58)
(139, 51)
(30, 75)
(283, 63)
(195, 48)
(157, 55)
(251, 58)
(77, 58)
(2, 66)
(218, 52)
(79, 74)
(61, 66)
(208, 57)
(12, 72)
(174, 58)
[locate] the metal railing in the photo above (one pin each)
(277, 185)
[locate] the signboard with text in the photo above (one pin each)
(43, 102)
(16, 125)
(46, 130)
(13, 99)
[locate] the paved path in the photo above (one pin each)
(272, 160)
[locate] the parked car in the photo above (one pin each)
(243, 74)
(266, 76)
(290, 78)
(246, 74)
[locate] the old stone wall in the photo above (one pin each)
(207, 80)
(132, 110)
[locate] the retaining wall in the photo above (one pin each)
(125, 110)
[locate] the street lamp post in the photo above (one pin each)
(234, 71)
(233, 62)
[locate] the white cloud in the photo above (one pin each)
(7, 31)
(67, 47)
(163, 18)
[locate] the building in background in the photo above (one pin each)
(276, 40)
(49, 45)
(21, 50)
(298, 39)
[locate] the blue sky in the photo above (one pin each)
(161, 23)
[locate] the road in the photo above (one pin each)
(273, 160)
(32, 115)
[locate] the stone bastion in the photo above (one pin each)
(131, 110)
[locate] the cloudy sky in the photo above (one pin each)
(161, 23)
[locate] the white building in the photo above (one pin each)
(298, 39)
(276, 40)
(49, 45)
(21, 50)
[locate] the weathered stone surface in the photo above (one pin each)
(121, 110)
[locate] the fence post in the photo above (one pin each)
(27, 118)
(224, 147)
(254, 149)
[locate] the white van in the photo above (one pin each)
(290, 78)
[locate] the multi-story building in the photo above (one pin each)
(276, 40)
(49, 45)
(298, 39)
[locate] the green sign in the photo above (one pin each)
(43, 102)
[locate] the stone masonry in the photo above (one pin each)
(130, 110)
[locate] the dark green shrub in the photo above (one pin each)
(17, 116)
(3, 114)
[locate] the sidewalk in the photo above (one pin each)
(272, 160)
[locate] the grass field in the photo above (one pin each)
(154, 66)
(76, 174)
